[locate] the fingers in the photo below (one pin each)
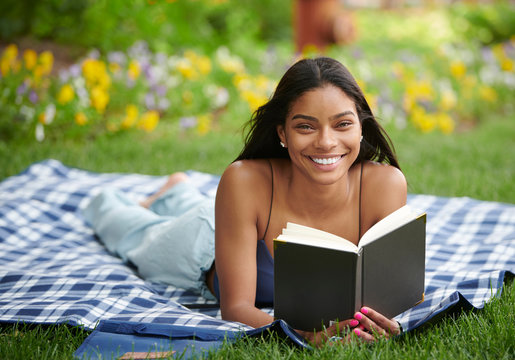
(338, 332)
(376, 323)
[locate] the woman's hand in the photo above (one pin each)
(373, 325)
(342, 331)
(368, 325)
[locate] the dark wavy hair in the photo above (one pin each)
(262, 141)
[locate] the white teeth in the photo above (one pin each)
(326, 161)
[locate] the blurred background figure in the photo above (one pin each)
(320, 23)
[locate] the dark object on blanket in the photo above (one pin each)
(114, 339)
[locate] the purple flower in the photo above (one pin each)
(75, 70)
(150, 101)
(21, 89)
(160, 90)
(187, 122)
(487, 54)
(33, 97)
(163, 104)
(117, 57)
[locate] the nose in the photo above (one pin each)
(325, 139)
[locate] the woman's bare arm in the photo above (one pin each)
(238, 201)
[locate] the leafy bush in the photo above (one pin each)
(166, 25)
(486, 23)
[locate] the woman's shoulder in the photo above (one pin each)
(384, 189)
(383, 175)
(248, 170)
(254, 174)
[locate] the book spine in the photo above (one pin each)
(359, 282)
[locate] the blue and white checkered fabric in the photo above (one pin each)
(53, 270)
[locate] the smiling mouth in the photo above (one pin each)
(326, 161)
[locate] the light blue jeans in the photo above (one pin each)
(171, 243)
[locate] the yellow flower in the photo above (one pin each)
(422, 89)
(203, 65)
(371, 100)
(9, 60)
(41, 118)
(46, 60)
(95, 73)
(424, 121)
(362, 85)
(262, 83)
(131, 116)
(30, 57)
(448, 100)
(204, 124)
(408, 102)
(458, 69)
(114, 67)
(10, 52)
(99, 99)
(488, 93)
(242, 81)
(80, 118)
(5, 65)
(66, 94)
(254, 99)
(185, 67)
(507, 64)
(149, 120)
(445, 122)
(134, 70)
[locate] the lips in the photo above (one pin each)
(325, 160)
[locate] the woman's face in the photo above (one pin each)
(322, 133)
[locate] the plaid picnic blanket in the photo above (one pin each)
(54, 270)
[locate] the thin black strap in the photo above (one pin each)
(271, 198)
(359, 205)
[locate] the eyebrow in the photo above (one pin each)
(312, 118)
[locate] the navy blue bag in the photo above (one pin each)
(134, 340)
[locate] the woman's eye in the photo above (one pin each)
(304, 127)
(344, 124)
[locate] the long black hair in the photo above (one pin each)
(262, 140)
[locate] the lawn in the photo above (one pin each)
(468, 153)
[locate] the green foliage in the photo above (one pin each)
(487, 23)
(167, 26)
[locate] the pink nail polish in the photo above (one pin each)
(354, 322)
(361, 327)
(364, 310)
(357, 332)
(358, 316)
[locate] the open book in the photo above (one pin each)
(320, 277)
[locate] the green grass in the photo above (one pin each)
(477, 163)
(25, 341)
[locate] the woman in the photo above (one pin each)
(315, 155)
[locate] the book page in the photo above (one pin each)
(391, 222)
(301, 234)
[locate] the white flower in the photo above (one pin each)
(49, 113)
(40, 132)
(27, 112)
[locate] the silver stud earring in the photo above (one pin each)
(282, 144)
(361, 138)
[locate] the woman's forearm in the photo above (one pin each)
(249, 315)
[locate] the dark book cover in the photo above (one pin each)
(314, 286)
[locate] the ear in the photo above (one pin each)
(281, 134)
